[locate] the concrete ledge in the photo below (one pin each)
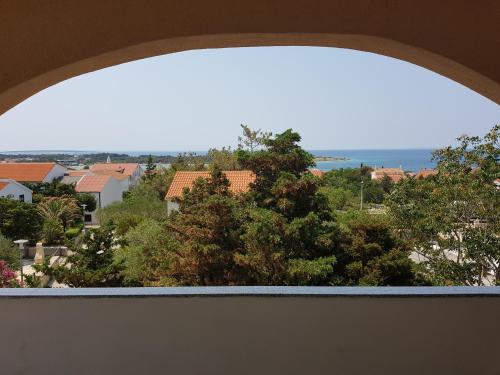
(251, 291)
(250, 330)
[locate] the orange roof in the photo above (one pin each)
(92, 184)
(26, 172)
(239, 181)
(317, 172)
(423, 173)
(75, 173)
(124, 168)
(3, 184)
(117, 175)
(389, 171)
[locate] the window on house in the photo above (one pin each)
(21, 197)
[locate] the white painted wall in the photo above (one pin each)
(57, 172)
(112, 192)
(136, 176)
(172, 206)
(14, 190)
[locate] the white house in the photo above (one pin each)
(131, 171)
(14, 190)
(239, 182)
(105, 189)
(32, 172)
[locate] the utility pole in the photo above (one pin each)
(361, 198)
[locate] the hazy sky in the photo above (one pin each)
(336, 99)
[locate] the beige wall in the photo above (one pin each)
(45, 42)
(250, 334)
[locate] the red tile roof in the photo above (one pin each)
(92, 184)
(423, 173)
(395, 174)
(239, 181)
(317, 172)
(26, 172)
(80, 172)
(124, 168)
(3, 184)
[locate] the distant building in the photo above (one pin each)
(395, 174)
(14, 190)
(131, 171)
(105, 189)
(424, 173)
(32, 172)
(317, 172)
(239, 182)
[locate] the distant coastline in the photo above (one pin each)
(330, 158)
(409, 159)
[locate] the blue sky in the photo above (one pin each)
(336, 99)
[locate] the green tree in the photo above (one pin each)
(371, 255)
(9, 252)
(451, 219)
(88, 200)
(19, 220)
(224, 159)
(251, 140)
(93, 263)
(143, 202)
(150, 169)
(148, 253)
(63, 210)
(207, 229)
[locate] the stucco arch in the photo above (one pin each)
(43, 43)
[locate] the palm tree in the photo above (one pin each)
(63, 209)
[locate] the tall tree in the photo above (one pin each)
(452, 219)
(93, 262)
(251, 140)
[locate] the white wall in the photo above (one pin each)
(112, 192)
(13, 190)
(172, 206)
(57, 172)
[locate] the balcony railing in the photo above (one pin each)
(250, 330)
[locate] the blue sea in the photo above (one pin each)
(408, 159)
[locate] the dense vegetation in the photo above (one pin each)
(291, 228)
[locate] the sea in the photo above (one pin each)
(408, 159)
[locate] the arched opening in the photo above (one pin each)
(44, 45)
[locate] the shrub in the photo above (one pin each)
(7, 276)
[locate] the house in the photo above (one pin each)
(317, 172)
(424, 173)
(14, 190)
(239, 182)
(105, 189)
(32, 172)
(131, 171)
(395, 174)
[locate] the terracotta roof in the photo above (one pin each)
(423, 173)
(117, 175)
(26, 172)
(92, 184)
(80, 172)
(395, 174)
(124, 168)
(239, 181)
(3, 184)
(317, 172)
